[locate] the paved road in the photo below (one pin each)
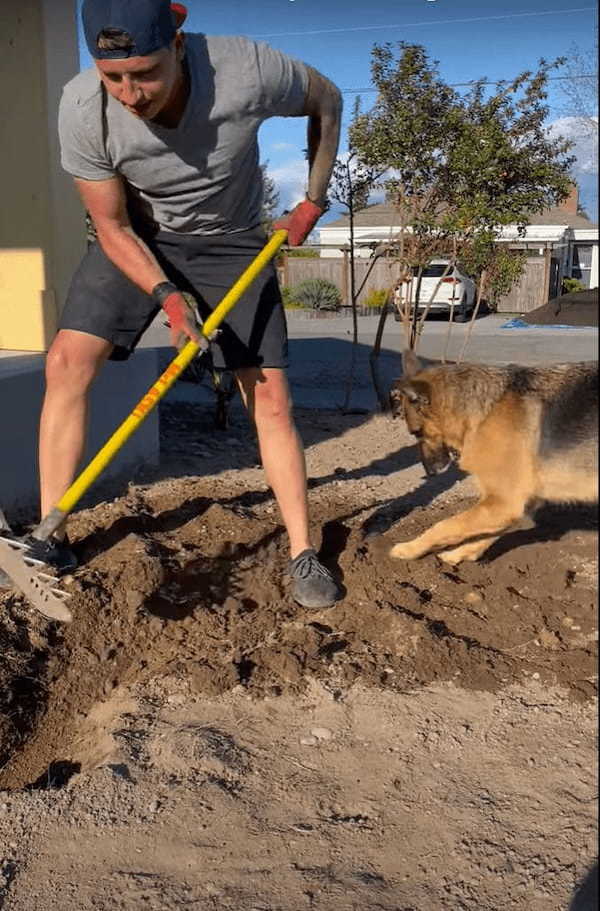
(320, 351)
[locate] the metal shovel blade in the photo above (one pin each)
(28, 576)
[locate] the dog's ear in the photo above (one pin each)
(410, 363)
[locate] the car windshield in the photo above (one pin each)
(434, 270)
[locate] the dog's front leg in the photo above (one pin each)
(470, 551)
(489, 517)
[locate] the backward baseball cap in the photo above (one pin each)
(151, 24)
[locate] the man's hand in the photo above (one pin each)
(183, 322)
(299, 222)
(179, 13)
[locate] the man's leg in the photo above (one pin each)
(266, 396)
(74, 360)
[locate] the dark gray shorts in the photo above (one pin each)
(103, 302)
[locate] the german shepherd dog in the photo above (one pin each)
(527, 434)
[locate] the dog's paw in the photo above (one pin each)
(404, 551)
(458, 555)
(453, 557)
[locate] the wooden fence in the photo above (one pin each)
(383, 275)
(538, 283)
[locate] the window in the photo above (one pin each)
(434, 270)
(582, 263)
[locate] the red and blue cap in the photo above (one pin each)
(151, 24)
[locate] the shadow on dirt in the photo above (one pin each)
(552, 522)
(386, 512)
(391, 511)
(318, 373)
(191, 439)
(586, 895)
(211, 581)
(23, 671)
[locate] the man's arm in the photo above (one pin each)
(105, 202)
(323, 107)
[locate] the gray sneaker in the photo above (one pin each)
(313, 584)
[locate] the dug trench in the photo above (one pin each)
(186, 577)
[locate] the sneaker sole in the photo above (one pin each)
(312, 605)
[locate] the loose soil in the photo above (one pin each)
(578, 308)
(194, 738)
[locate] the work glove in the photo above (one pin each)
(183, 321)
(179, 13)
(299, 222)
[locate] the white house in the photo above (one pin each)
(569, 240)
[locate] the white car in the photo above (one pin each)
(455, 284)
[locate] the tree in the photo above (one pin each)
(350, 186)
(270, 199)
(580, 87)
(457, 167)
(461, 163)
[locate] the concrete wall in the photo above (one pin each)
(119, 387)
(42, 234)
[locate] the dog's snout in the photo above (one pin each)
(437, 460)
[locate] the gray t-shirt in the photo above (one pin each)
(203, 177)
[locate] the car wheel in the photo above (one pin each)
(460, 313)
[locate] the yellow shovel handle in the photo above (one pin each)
(87, 477)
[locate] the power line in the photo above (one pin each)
(370, 28)
(476, 82)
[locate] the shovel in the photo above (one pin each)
(30, 576)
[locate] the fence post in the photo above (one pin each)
(345, 291)
(547, 267)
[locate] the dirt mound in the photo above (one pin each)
(178, 582)
(579, 308)
(194, 738)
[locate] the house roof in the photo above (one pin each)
(384, 214)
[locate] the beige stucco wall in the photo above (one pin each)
(42, 234)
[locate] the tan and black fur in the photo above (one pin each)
(527, 434)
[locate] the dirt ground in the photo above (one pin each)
(196, 740)
(579, 308)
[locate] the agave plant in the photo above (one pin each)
(318, 294)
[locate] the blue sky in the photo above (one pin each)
(470, 39)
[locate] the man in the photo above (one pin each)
(161, 139)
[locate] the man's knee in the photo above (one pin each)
(269, 398)
(73, 365)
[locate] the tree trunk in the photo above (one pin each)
(380, 392)
(415, 312)
(350, 378)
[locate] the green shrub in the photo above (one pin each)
(303, 253)
(289, 301)
(318, 294)
(376, 298)
(572, 284)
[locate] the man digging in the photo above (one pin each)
(161, 139)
